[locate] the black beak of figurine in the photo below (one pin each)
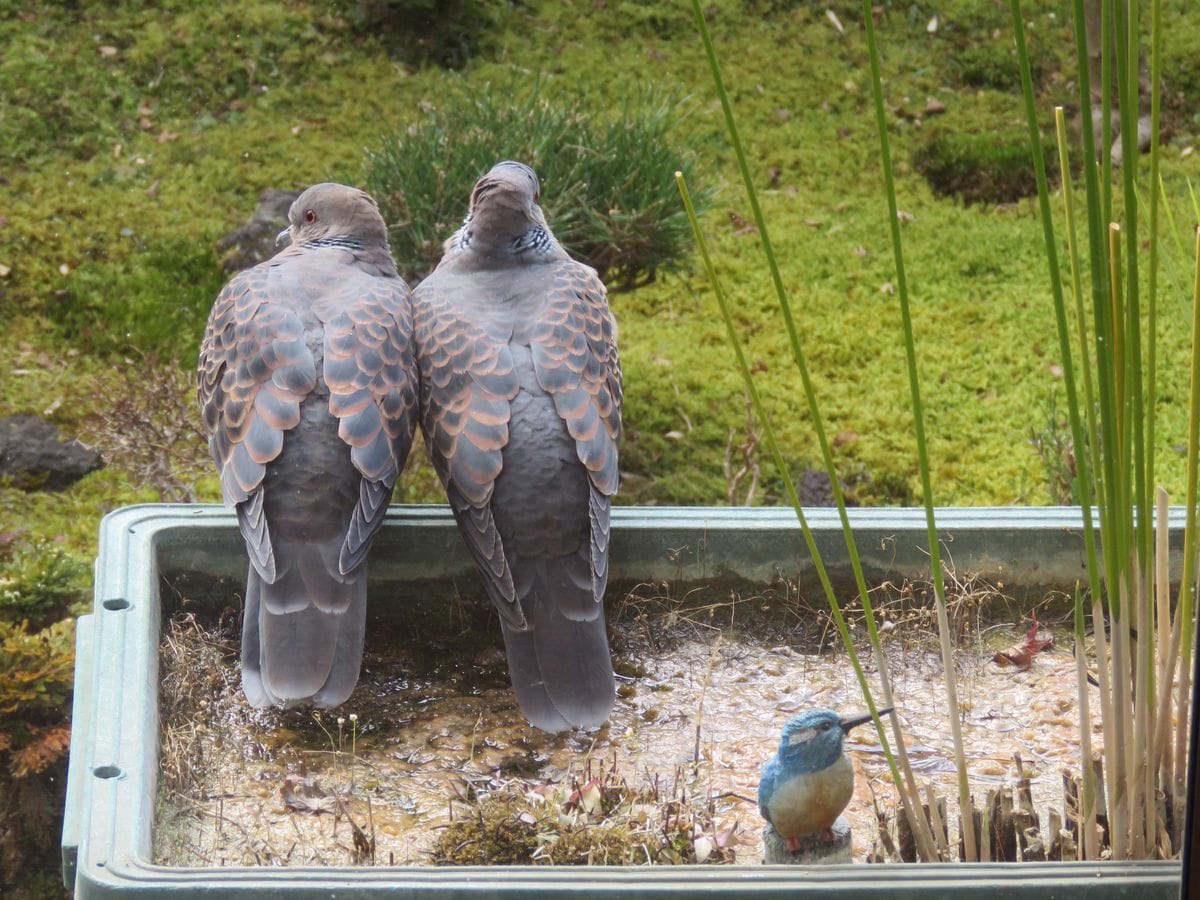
(848, 722)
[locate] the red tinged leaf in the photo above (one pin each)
(1021, 655)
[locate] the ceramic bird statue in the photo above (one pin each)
(308, 387)
(806, 785)
(521, 411)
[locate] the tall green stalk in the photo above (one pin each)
(1082, 460)
(1191, 543)
(1064, 167)
(1152, 284)
(1089, 844)
(764, 420)
(1129, 584)
(970, 847)
(908, 787)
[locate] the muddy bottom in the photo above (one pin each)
(699, 710)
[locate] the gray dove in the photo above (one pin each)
(521, 410)
(309, 392)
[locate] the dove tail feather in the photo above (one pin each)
(560, 664)
(252, 684)
(302, 635)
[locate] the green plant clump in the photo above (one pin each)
(36, 669)
(36, 673)
(40, 583)
(606, 183)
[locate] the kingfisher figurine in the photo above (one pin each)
(806, 785)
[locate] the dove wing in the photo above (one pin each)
(370, 369)
(574, 348)
(467, 384)
(254, 371)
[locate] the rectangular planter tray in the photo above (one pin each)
(112, 782)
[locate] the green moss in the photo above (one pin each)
(155, 301)
(132, 221)
(602, 822)
(1181, 70)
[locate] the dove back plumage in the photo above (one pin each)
(309, 393)
(521, 410)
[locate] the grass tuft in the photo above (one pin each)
(605, 189)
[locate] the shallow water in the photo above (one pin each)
(422, 743)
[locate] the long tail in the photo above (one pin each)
(302, 635)
(560, 666)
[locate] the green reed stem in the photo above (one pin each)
(1121, 588)
(1093, 444)
(764, 419)
(1152, 284)
(1089, 845)
(1083, 470)
(1173, 231)
(1083, 461)
(1165, 262)
(1191, 539)
(795, 342)
(970, 848)
(911, 803)
(1096, 205)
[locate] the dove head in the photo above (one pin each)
(338, 215)
(505, 219)
(812, 740)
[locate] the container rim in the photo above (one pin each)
(112, 780)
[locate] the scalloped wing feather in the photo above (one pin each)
(254, 371)
(370, 369)
(467, 384)
(575, 357)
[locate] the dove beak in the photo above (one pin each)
(279, 238)
(848, 722)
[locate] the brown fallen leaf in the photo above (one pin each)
(1021, 655)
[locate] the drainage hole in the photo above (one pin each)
(117, 603)
(106, 772)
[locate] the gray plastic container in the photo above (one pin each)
(111, 787)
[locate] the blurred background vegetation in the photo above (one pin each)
(133, 136)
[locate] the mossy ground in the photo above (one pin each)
(133, 137)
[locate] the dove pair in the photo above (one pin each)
(314, 371)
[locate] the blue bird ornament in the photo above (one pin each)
(806, 785)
